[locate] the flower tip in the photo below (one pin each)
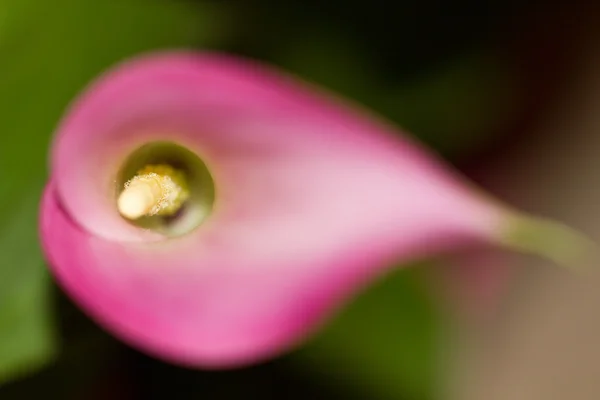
(136, 201)
(156, 189)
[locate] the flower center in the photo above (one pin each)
(155, 190)
(164, 187)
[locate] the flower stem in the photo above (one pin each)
(549, 239)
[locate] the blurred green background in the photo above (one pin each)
(464, 76)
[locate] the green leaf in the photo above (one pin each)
(383, 344)
(455, 107)
(461, 105)
(50, 50)
(26, 334)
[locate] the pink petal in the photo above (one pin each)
(314, 200)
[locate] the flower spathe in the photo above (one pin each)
(313, 199)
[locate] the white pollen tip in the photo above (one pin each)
(135, 201)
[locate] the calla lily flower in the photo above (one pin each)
(213, 212)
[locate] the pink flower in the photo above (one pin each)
(283, 202)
